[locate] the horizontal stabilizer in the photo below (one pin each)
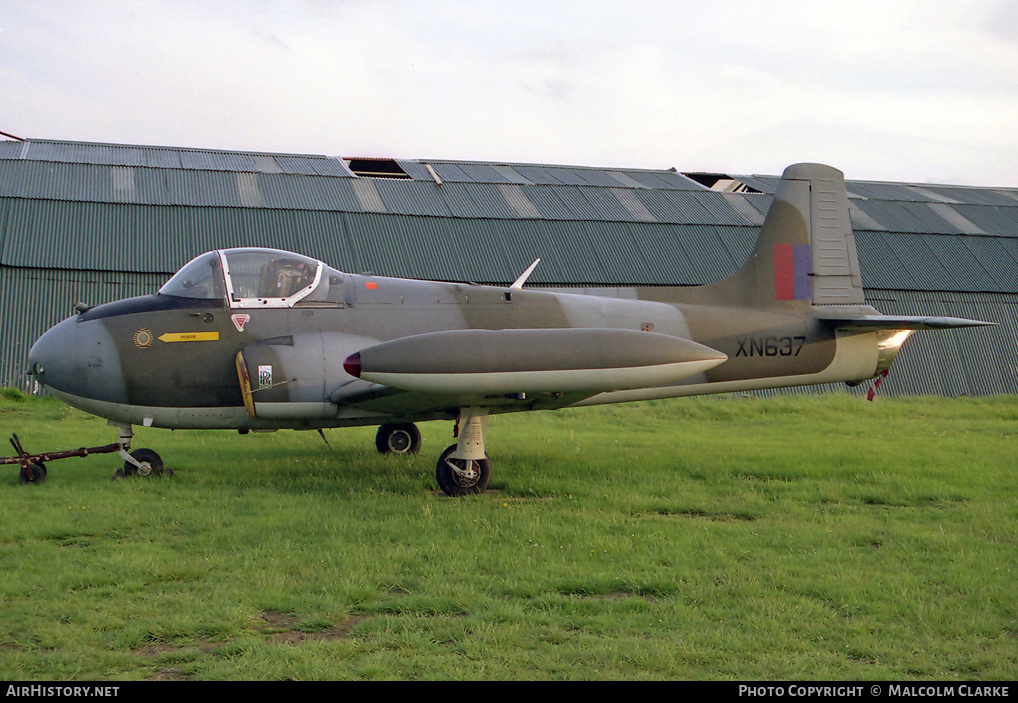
(531, 361)
(903, 322)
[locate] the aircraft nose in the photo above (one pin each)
(78, 359)
(48, 357)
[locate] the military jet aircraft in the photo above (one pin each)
(260, 339)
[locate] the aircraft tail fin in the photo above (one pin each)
(805, 253)
(806, 256)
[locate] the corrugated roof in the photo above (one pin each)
(910, 261)
(67, 152)
(73, 205)
(207, 187)
(537, 174)
(918, 192)
(140, 238)
(1001, 221)
(53, 151)
(10, 150)
(104, 173)
(929, 209)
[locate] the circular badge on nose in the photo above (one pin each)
(143, 339)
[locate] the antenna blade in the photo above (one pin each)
(526, 274)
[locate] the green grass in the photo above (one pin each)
(817, 538)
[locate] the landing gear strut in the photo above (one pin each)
(464, 468)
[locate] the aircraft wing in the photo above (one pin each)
(358, 391)
(515, 361)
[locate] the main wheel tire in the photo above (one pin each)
(33, 473)
(398, 438)
(151, 464)
(461, 477)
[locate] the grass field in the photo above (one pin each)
(806, 538)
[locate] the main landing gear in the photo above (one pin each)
(464, 468)
(402, 438)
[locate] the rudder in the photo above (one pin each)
(835, 268)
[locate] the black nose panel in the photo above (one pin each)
(79, 358)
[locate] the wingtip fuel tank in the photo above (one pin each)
(532, 361)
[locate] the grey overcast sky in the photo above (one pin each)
(899, 90)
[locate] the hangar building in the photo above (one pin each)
(96, 222)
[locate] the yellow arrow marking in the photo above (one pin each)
(189, 337)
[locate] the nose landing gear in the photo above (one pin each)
(140, 462)
(145, 463)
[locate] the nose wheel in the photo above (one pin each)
(140, 462)
(146, 463)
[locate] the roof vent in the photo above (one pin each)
(376, 168)
(720, 182)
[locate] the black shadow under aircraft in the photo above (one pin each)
(260, 339)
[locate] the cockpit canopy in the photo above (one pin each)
(249, 278)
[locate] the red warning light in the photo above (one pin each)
(352, 365)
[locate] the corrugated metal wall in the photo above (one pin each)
(154, 239)
(98, 222)
(973, 361)
(32, 300)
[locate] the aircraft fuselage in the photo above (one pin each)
(168, 361)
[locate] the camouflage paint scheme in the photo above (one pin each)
(793, 315)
